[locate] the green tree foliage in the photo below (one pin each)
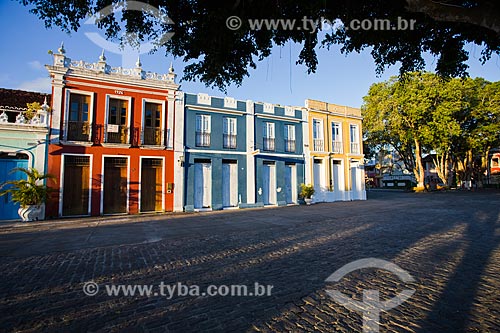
(219, 56)
(457, 119)
(31, 110)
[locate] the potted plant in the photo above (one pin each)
(306, 192)
(30, 193)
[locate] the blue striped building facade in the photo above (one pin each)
(241, 154)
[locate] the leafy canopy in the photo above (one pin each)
(219, 56)
(458, 119)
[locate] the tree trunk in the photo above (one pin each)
(419, 170)
(484, 166)
(441, 162)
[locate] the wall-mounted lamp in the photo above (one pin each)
(181, 160)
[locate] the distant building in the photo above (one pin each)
(23, 141)
(334, 154)
(493, 170)
(495, 164)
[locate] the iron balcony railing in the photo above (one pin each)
(229, 141)
(78, 131)
(152, 136)
(290, 146)
(337, 147)
(354, 148)
(318, 145)
(117, 134)
(202, 139)
(97, 133)
(269, 144)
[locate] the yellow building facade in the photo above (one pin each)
(334, 152)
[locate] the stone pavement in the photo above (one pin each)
(449, 243)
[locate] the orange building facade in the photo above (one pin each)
(116, 139)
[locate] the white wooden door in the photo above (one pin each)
(338, 180)
(229, 184)
(272, 184)
(318, 176)
(202, 185)
(233, 177)
(207, 185)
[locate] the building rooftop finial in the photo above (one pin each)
(45, 106)
(171, 68)
(102, 57)
(138, 63)
(61, 48)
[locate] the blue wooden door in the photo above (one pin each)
(8, 210)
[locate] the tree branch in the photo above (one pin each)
(480, 16)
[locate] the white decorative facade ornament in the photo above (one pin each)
(230, 102)
(102, 67)
(289, 111)
(4, 118)
(102, 57)
(35, 120)
(61, 49)
(20, 119)
(204, 99)
(268, 108)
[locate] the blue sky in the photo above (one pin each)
(339, 79)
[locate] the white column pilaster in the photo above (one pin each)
(250, 132)
(307, 149)
(171, 114)
(178, 145)
(57, 107)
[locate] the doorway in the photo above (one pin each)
(76, 185)
(202, 185)
(269, 183)
(290, 183)
(338, 179)
(318, 175)
(151, 184)
(229, 183)
(115, 185)
(8, 209)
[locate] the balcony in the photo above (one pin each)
(202, 139)
(78, 131)
(354, 148)
(152, 136)
(337, 147)
(229, 141)
(117, 134)
(290, 146)
(318, 145)
(19, 117)
(269, 144)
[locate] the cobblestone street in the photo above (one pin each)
(449, 242)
